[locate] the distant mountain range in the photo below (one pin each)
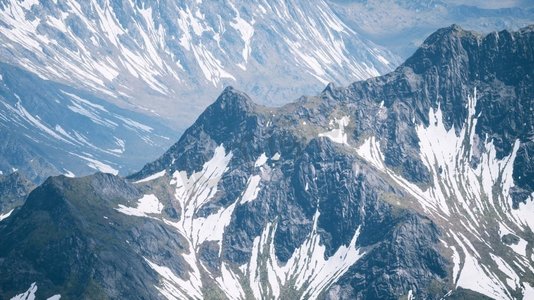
(402, 25)
(174, 57)
(72, 72)
(48, 128)
(417, 184)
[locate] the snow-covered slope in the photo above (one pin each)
(49, 129)
(158, 55)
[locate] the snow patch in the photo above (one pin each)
(252, 190)
(28, 295)
(98, 165)
(338, 135)
(307, 269)
(525, 213)
(456, 261)
(476, 277)
(69, 173)
(152, 177)
(528, 292)
(148, 204)
(173, 287)
(193, 192)
(261, 160)
(6, 215)
(513, 279)
(246, 31)
(230, 284)
(370, 151)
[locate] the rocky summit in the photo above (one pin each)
(417, 184)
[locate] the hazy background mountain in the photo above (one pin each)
(48, 128)
(67, 64)
(174, 57)
(401, 25)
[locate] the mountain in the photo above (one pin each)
(155, 56)
(48, 128)
(401, 25)
(14, 188)
(415, 184)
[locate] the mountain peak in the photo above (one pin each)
(445, 35)
(233, 100)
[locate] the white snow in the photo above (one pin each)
(79, 99)
(370, 151)
(6, 215)
(98, 165)
(28, 295)
(230, 284)
(121, 144)
(55, 297)
(382, 59)
(36, 122)
(261, 160)
(276, 156)
(195, 191)
(513, 279)
(69, 173)
(152, 177)
(134, 124)
(520, 248)
(338, 135)
(252, 190)
(172, 286)
(466, 195)
(148, 204)
(456, 261)
(476, 277)
(528, 291)
(246, 31)
(192, 192)
(525, 213)
(307, 269)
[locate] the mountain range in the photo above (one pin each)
(402, 25)
(415, 184)
(104, 85)
(167, 60)
(48, 128)
(156, 56)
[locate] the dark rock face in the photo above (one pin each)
(69, 239)
(13, 191)
(338, 196)
(406, 258)
(443, 72)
